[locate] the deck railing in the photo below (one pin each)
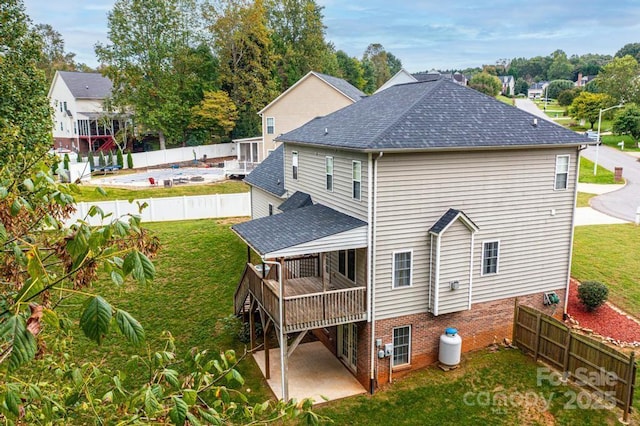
(306, 311)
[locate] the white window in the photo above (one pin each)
(328, 161)
(490, 253)
(562, 172)
(402, 269)
(271, 125)
(294, 164)
(347, 263)
(357, 177)
(401, 345)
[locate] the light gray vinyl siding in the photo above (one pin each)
(455, 260)
(312, 178)
(508, 194)
(260, 203)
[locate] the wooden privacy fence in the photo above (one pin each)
(609, 372)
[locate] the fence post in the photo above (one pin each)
(630, 385)
(515, 321)
(150, 209)
(184, 207)
(565, 362)
(537, 345)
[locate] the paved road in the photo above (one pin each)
(623, 203)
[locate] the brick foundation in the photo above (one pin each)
(484, 324)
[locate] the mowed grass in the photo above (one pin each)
(198, 268)
(613, 140)
(493, 388)
(602, 176)
(583, 199)
(610, 253)
(91, 194)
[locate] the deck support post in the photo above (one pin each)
(248, 254)
(252, 322)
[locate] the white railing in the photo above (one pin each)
(235, 167)
(171, 208)
(178, 155)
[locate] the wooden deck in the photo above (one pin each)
(307, 304)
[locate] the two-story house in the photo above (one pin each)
(508, 85)
(314, 95)
(413, 210)
(80, 122)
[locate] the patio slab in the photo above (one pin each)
(314, 372)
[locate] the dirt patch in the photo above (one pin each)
(605, 320)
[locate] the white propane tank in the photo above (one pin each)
(450, 347)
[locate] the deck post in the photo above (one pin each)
(267, 368)
(323, 261)
(248, 254)
(284, 365)
(252, 323)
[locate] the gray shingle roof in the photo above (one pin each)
(269, 175)
(289, 229)
(447, 218)
(430, 115)
(297, 200)
(87, 85)
(344, 86)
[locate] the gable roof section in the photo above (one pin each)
(297, 200)
(448, 218)
(87, 85)
(294, 232)
(336, 83)
(430, 115)
(269, 175)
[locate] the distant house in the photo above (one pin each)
(314, 95)
(403, 76)
(396, 217)
(582, 81)
(508, 85)
(80, 122)
(536, 90)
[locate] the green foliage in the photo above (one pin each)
(215, 113)
(66, 161)
(587, 106)
(560, 67)
(631, 49)
(556, 86)
(566, 97)
(79, 158)
(101, 160)
(627, 121)
(90, 159)
(521, 86)
(619, 79)
(350, 69)
(592, 294)
(486, 83)
(54, 57)
(119, 158)
(110, 158)
(129, 160)
(378, 66)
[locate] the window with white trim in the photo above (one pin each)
(401, 345)
(347, 263)
(294, 164)
(357, 178)
(402, 269)
(490, 253)
(562, 172)
(271, 125)
(328, 162)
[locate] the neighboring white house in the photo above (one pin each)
(399, 216)
(314, 95)
(80, 123)
(508, 85)
(537, 90)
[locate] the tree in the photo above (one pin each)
(587, 106)
(566, 97)
(243, 47)
(149, 44)
(297, 35)
(619, 79)
(627, 121)
(556, 86)
(521, 86)
(216, 113)
(350, 69)
(129, 160)
(631, 49)
(379, 66)
(560, 67)
(119, 158)
(486, 83)
(54, 57)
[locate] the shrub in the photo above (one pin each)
(79, 158)
(129, 160)
(66, 161)
(119, 159)
(92, 162)
(592, 294)
(101, 160)
(110, 158)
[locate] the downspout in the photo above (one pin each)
(283, 373)
(573, 227)
(437, 278)
(473, 234)
(372, 201)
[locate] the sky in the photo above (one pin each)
(423, 34)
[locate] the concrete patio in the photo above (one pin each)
(314, 372)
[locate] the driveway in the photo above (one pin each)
(623, 203)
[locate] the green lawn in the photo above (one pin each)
(493, 388)
(90, 192)
(583, 199)
(603, 175)
(609, 253)
(612, 140)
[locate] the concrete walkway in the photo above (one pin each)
(314, 372)
(590, 216)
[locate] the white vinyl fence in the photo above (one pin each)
(177, 155)
(171, 208)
